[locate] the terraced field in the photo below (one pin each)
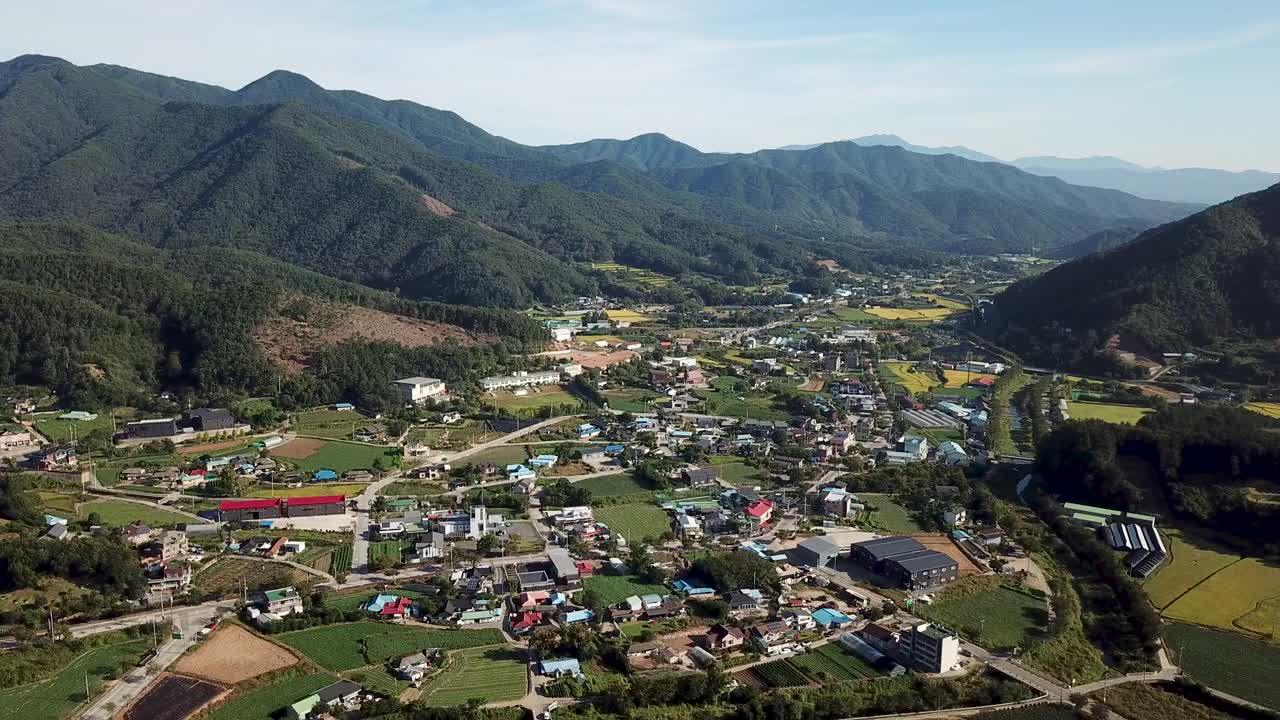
(830, 661)
(58, 697)
(494, 674)
(338, 647)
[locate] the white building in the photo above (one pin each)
(932, 649)
(570, 370)
(418, 390)
(520, 379)
(482, 523)
(688, 526)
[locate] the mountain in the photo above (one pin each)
(895, 141)
(1210, 278)
(1100, 241)
(1185, 185)
(643, 152)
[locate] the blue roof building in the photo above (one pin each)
(324, 475)
(578, 616)
(826, 617)
(560, 667)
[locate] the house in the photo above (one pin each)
(830, 619)
(340, 696)
(479, 617)
(687, 526)
(136, 534)
(414, 667)
(517, 472)
(740, 603)
(917, 447)
(840, 502)
(562, 565)
(578, 616)
(880, 637)
(560, 667)
(281, 601)
(700, 477)
(419, 390)
(526, 621)
(586, 431)
(953, 517)
(760, 513)
(798, 618)
(724, 637)
(989, 536)
(543, 461)
(952, 453)
(770, 633)
(57, 531)
(450, 417)
(434, 471)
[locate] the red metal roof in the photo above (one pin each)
(248, 504)
(318, 500)
(759, 508)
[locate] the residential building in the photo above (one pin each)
(518, 472)
(414, 667)
(570, 370)
(955, 516)
(725, 637)
(687, 526)
(281, 601)
(336, 698)
(798, 618)
(931, 649)
(520, 379)
(740, 603)
(562, 565)
(700, 477)
(760, 513)
(419, 390)
(560, 667)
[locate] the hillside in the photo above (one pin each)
(1209, 278)
(896, 141)
(1185, 185)
(1100, 241)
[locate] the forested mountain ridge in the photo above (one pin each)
(880, 194)
(1192, 283)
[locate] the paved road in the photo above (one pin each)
(199, 614)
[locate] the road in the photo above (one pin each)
(188, 620)
(200, 614)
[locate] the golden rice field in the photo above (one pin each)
(1270, 409)
(644, 277)
(1243, 595)
(944, 302)
(630, 316)
(1119, 414)
(925, 314)
(1189, 564)
(959, 378)
(900, 373)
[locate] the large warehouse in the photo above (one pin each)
(271, 508)
(817, 552)
(907, 562)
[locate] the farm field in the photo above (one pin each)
(393, 549)
(613, 589)
(501, 455)
(634, 521)
(337, 647)
(1136, 701)
(960, 378)
(62, 430)
(913, 314)
(776, 674)
(724, 399)
(738, 472)
(851, 314)
(458, 436)
(1271, 410)
(1231, 597)
(837, 663)
(342, 456)
(630, 316)
(536, 399)
(58, 503)
(496, 674)
(629, 400)
(412, 488)
(332, 424)
(58, 697)
(995, 616)
(640, 275)
(232, 655)
(118, 513)
(1033, 712)
(173, 697)
(944, 302)
(1119, 414)
(108, 473)
(613, 485)
(340, 560)
(265, 702)
(1191, 561)
(1229, 662)
(890, 516)
(227, 575)
(309, 490)
(899, 373)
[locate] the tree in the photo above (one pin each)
(487, 544)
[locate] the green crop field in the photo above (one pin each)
(725, 399)
(634, 521)
(777, 674)
(739, 473)
(337, 647)
(309, 490)
(613, 485)
(835, 662)
(495, 674)
(1191, 561)
(1228, 662)
(108, 473)
(630, 399)
(548, 397)
(854, 315)
(118, 513)
(502, 455)
(62, 430)
(451, 437)
(393, 549)
(343, 456)
(265, 702)
(340, 560)
(1121, 414)
(226, 576)
(613, 589)
(60, 695)
(990, 614)
(890, 516)
(333, 424)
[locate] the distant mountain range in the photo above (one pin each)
(1211, 277)
(1204, 186)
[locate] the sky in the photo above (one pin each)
(1171, 83)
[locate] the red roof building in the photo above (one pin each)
(398, 608)
(585, 568)
(527, 621)
(760, 511)
(318, 500)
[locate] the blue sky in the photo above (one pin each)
(1168, 83)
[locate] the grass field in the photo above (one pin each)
(310, 490)
(59, 696)
(630, 316)
(634, 521)
(835, 663)
(495, 674)
(850, 314)
(1270, 409)
(1120, 414)
(723, 399)
(393, 549)
(899, 373)
(1232, 597)
(341, 457)
(944, 302)
(1191, 561)
(265, 702)
(534, 400)
(614, 589)
(992, 615)
(629, 400)
(501, 455)
(117, 513)
(737, 472)
(921, 314)
(1228, 662)
(890, 516)
(613, 485)
(60, 504)
(325, 423)
(62, 430)
(337, 647)
(451, 437)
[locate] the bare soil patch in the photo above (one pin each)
(943, 544)
(232, 655)
(299, 449)
(173, 697)
(437, 207)
(601, 360)
(299, 326)
(814, 385)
